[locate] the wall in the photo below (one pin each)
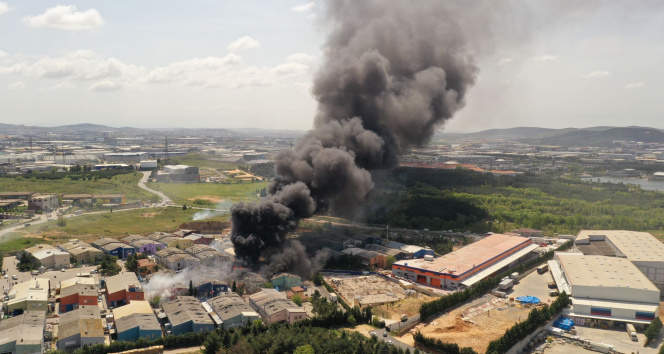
(518, 347)
(76, 338)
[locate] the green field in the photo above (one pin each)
(138, 221)
(186, 193)
(201, 160)
(122, 184)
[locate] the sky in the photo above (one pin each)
(238, 64)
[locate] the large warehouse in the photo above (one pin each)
(606, 288)
(641, 248)
(468, 265)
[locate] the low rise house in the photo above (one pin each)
(273, 307)
(122, 289)
(136, 320)
(209, 287)
(23, 333)
(176, 259)
(53, 258)
(232, 310)
(299, 291)
(146, 264)
(44, 202)
(286, 281)
(31, 295)
(186, 314)
(250, 281)
(80, 327)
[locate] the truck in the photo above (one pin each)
(631, 331)
(542, 269)
(506, 284)
(84, 275)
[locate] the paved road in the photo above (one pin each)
(141, 184)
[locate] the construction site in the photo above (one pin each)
(367, 290)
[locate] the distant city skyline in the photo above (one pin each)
(236, 64)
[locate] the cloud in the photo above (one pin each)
(597, 74)
(290, 69)
(106, 85)
(504, 61)
(546, 57)
(65, 18)
(3, 54)
(4, 8)
(243, 43)
(304, 7)
(635, 85)
(19, 85)
(194, 70)
(301, 57)
(83, 65)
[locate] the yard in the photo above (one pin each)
(186, 193)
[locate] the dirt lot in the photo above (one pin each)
(477, 334)
(409, 306)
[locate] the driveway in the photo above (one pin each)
(141, 184)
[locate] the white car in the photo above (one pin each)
(15, 277)
(389, 342)
(62, 269)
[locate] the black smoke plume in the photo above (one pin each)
(393, 71)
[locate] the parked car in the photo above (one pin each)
(14, 277)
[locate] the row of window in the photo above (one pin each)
(599, 311)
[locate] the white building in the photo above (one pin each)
(53, 258)
(605, 288)
(641, 248)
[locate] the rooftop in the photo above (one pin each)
(636, 246)
(81, 289)
(122, 282)
(35, 289)
(85, 320)
(609, 272)
(146, 321)
(27, 328)
(185, 309)
(272, 301)
(469, 257)
(134, 307)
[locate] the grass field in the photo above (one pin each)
(186, 193)
(201, 160)
(122, 184)
(86, 227)
(15, 242)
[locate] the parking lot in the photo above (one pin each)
(619, 339)
(533, 284)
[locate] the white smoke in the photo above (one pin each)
(223, 207)
(164, 285)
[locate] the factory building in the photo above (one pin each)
(122, 289)
(23, 333)
(468, 265)
(31, 295)
(230, 310)
(44, 202)
(286, 280)
(605, 288)
(640, 248)
(81, 251)
(273, 307)
(114, 247)
(80, 327)
(186, 314)
(136, 320)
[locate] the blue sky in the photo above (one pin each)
(232, 64)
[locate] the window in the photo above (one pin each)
(85, 301)
(645, 316)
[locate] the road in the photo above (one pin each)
(141, 184)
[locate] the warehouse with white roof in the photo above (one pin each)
(641, 248)
(605, 288)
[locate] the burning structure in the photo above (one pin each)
(393, 71)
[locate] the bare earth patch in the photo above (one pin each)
(148, 215)
(478, 332)
(212, 198)
(409, 306)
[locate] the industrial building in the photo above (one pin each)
(79, 328)
(23, 333)
(411, 251)
(143, 245)
(286, 281)
(81, 251)
(179, 173)
(186, 314)
(273, 307)
(122, 289)
(31, 295)
(605, 288)
(114, 247)
(53, 258)
(136, 320)
(176, 259)
(207, 255)
(640, 248)
(44, 202)
(73, 296)
(209, 287)
(231, 310)
(468, 265)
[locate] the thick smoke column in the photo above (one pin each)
(393, 71)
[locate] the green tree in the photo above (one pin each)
(109, 266)
(28, 262)
(240, 289)
(318, 279)
(352, 321)
(190, 292)
(234, 286)
(297, 300)
(304, 349)
(62, 222)
(653, 330)
(184, 207)
(212, 344)
(155, 300)
(389, 261)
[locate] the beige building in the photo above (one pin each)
(30, 295)
(23, 334)
(605, 288)
(82, 251)
(641, 248)
(53, 258)
(273, 307)
(45, 202)
(80, 327)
